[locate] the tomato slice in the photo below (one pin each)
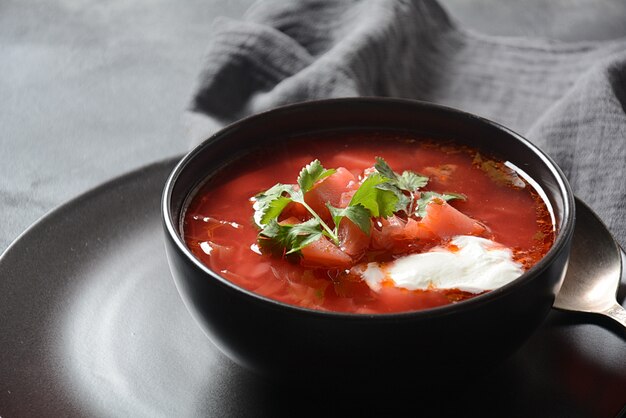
(395, 234)
(323, 253)
(294, 210)
(330, 190)
(353, 241)
(445, 221)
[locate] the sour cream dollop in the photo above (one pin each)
(474, 265)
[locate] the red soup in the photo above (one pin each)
(368, 223)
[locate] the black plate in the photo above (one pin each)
(92, 325)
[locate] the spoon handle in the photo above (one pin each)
(617, 313)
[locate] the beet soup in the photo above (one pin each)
(368, 222)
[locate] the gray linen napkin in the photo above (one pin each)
(569, 99)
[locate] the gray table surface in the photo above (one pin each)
(90, 90)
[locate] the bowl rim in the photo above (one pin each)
(563, 236)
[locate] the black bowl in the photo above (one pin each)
(292, 343)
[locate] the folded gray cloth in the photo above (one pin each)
(569, 99)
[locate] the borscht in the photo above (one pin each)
(368, 222)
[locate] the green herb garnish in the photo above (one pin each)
(292, 237)
(357, 213)
(311, 174)
(381, 194)
(405, 185)
(270, 204)
(380, 201)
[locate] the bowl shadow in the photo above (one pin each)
(507, 390)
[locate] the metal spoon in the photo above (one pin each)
(594, 271)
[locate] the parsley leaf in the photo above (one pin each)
(408, 180)
(290, 237)
(303, 234)
(379, 201)
(383, 168)
(411, 181)
(403, 185)
(357, 214)
(312, 173)
(274, 209)
(270, 203)
(403, 200)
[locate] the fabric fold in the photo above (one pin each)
(566, 98)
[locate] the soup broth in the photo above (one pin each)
(466, 203)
